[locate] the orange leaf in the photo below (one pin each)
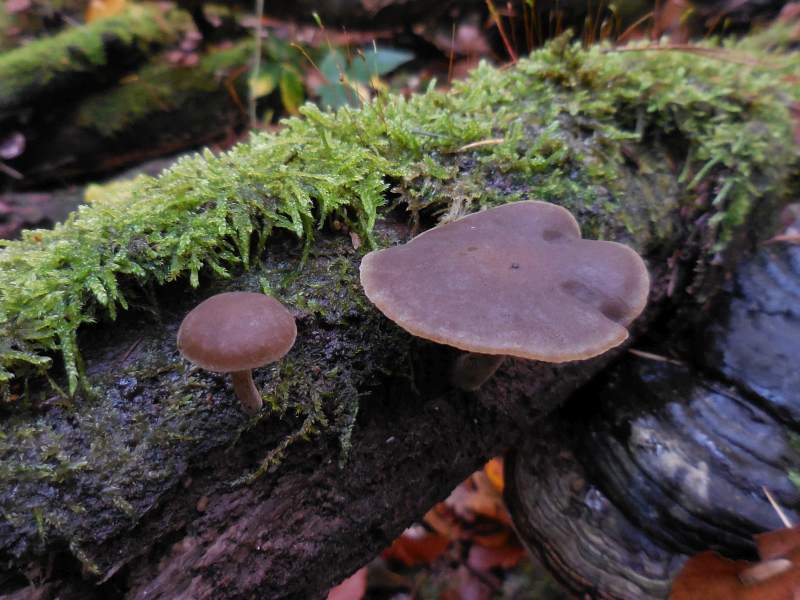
(416, 546)
(494, 471)
(100, 9)
(708, 576)
(780, 542)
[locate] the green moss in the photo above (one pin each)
(80, 50)
(162, 87)
(564, 118)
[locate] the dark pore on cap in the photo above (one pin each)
(515, 280)
(236, 331)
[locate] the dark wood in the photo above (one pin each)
(661, 458)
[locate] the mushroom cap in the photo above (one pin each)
(236, 331)
(516, 280)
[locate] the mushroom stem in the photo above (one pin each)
(246, 391)
(471, 370)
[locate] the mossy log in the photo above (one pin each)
(160, 109)
(140, 480)
(81, 59)
(37, 20)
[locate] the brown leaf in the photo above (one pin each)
(17, 6)
(778, 543)
(416, 546)
(352, 588)
(482, 558)
(708, 576)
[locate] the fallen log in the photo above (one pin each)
(668, 454)
(160, 109)
(82, 58)
(130, 481)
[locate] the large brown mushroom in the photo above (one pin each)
(234, 333)
(515, 280)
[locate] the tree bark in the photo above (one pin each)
(668, 455)
(309, 522)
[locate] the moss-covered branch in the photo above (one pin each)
(610, 135)
(85, 55)
(567, 118)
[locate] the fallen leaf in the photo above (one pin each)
(352, 588)
(17, 6)
(416, 546)
(494, 471)
(507, 556)
(100, 9)
(708, 576)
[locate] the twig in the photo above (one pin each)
(10, 171)
(624, 35)
(129, 351)
(256, 61)
(781, 515)
(655, 357)
(496, 16)
(489, 142)
(788, 238)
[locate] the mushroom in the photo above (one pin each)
(515, 280)
(234, 333)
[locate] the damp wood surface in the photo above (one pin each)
(667, 455)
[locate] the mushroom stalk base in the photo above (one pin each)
(246, 391)
(471, 370)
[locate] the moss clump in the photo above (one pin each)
(568, 120)
(31, 70)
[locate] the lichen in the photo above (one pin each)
(563, 124)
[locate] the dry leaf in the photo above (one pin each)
(416, 546)
(352, 588)
(100, 9)
(708, 576)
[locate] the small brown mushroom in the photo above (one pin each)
(515, 280)
(234, 333)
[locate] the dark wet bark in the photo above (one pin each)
(309, 522)
(657, 460)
